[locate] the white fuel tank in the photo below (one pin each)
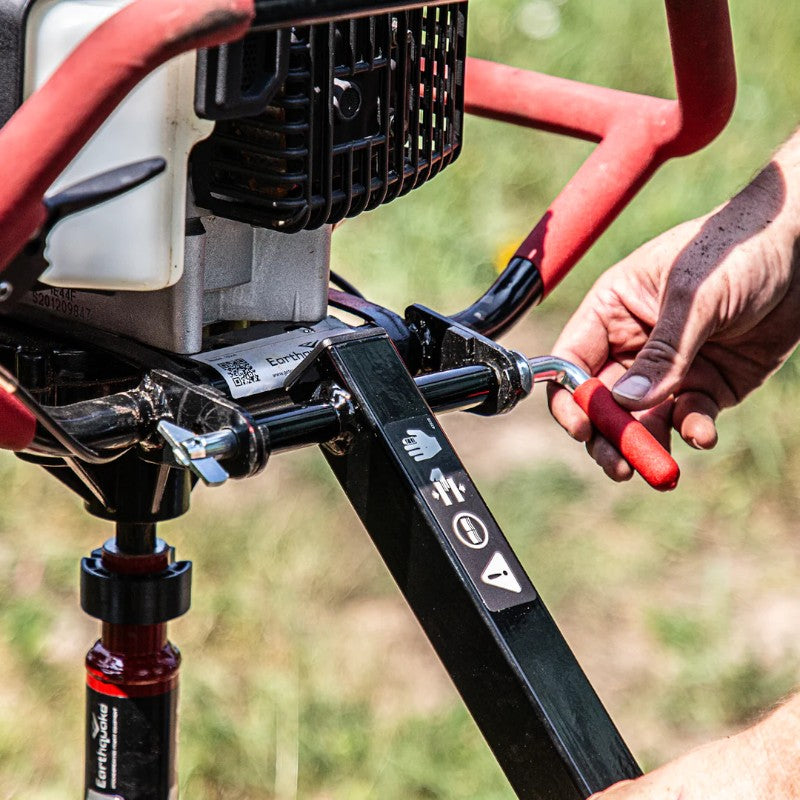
(134, 242)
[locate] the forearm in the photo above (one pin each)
(777, 738)
(780, 182)
(760, 763)
(787, 158)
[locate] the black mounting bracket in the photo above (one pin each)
(447, 344)
(514, 670)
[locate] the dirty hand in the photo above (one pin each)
(693, 321)
(757, 764)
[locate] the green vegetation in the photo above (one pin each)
(305, 675)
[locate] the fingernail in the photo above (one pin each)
(633, 387)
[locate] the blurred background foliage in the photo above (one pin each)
(305, 674)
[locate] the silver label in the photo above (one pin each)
(262, 366)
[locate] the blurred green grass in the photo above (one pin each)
(305, 675)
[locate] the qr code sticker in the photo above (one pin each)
(240, 371)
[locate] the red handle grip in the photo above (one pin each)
(637, 445)
(636, 133)
(17, 424)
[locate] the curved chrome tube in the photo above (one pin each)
(557, 370)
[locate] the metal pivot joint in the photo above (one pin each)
(449, 345)
(229, 433)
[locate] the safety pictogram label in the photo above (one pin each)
(498, 573)
(446, 490)
(467, 524)
(471, 530)
(421, 446)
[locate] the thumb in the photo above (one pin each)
(661, 365)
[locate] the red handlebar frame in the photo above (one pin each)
(636, 133)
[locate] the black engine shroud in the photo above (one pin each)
(326, 121)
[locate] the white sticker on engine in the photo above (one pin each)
(261, 366)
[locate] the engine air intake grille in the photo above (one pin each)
(370, 109)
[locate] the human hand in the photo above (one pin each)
(691, 322)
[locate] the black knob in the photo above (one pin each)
(346, 99)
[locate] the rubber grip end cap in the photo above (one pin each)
(636, 444)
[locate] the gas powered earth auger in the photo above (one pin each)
(178, 328)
